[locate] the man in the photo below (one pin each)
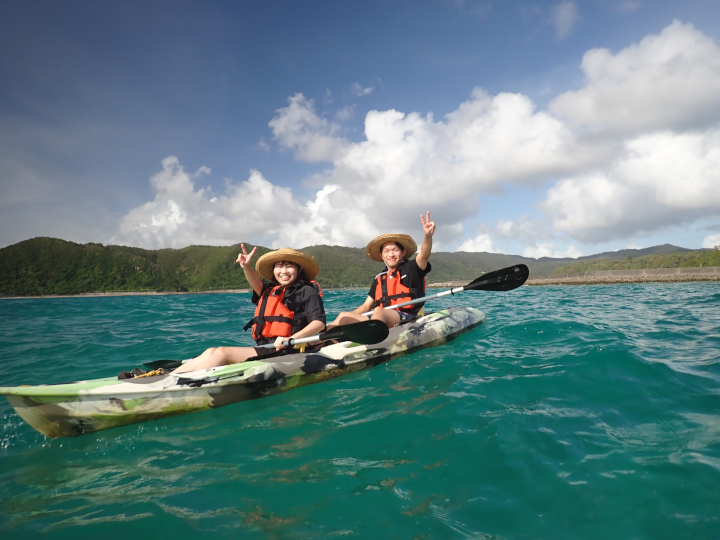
(401, 281)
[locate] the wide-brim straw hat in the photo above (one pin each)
(265, 264)
(372, 250)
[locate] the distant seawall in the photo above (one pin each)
(663, 275)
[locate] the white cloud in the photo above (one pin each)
(438, 165)
(661, 179)
(482, 242)
(647, 171)
(298, 126)
(711, 241)
(563, 17)
(202, 171)
(547, 249)
(359, 91)
(181, 215)
(670, 80)
(524, 229)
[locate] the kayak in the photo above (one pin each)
(68, 410)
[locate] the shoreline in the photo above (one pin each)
(644, 275)
(617, 280)
(599, 277)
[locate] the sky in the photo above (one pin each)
(559, 128)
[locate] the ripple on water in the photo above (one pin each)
(573, 412)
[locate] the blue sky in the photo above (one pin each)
(537, 128)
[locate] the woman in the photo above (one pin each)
(289, 306)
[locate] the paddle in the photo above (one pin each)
(365, 333)
(505, 279)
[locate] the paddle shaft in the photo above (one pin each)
(289, 343)
(423, 299)
(365, 333)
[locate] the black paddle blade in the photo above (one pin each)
(505, 279)
(166, 364)
(365, 333)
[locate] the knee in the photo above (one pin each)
(220, 353)
(342, 318)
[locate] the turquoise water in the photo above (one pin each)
(573, 412)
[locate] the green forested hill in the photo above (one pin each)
(52, 266)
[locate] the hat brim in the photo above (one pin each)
(372, 250)
(265, 264)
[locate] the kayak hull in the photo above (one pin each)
(66, 410)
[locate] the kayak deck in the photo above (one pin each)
(63, 410)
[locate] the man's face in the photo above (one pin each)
(391, 254)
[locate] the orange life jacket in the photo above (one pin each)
(272, 317)
(390, 291)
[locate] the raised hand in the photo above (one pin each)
(428, 226)
(243, 258)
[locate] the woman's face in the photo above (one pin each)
(285, 272)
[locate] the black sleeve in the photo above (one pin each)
(419, 272)
(314, 308)
(255, 296)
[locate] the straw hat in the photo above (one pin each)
(372, 250)
(265, 264)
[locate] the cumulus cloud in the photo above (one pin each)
(661, 179)
(635, 150)
(181, 214)
(667, 81)
(711, 241)
(443, 164)
(547, 249)
(525, 229)
(313, 138)
(563, 17)
(482, 242)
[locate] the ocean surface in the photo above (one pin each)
(587, 412)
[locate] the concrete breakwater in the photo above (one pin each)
(663, 275)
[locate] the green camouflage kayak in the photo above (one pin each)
(66, 410)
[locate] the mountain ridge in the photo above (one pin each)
(44, 265)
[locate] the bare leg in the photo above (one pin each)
(389, 316)
(347, 317)
(217, 356)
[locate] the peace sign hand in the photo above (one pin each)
(243, 258)
(428, 226)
